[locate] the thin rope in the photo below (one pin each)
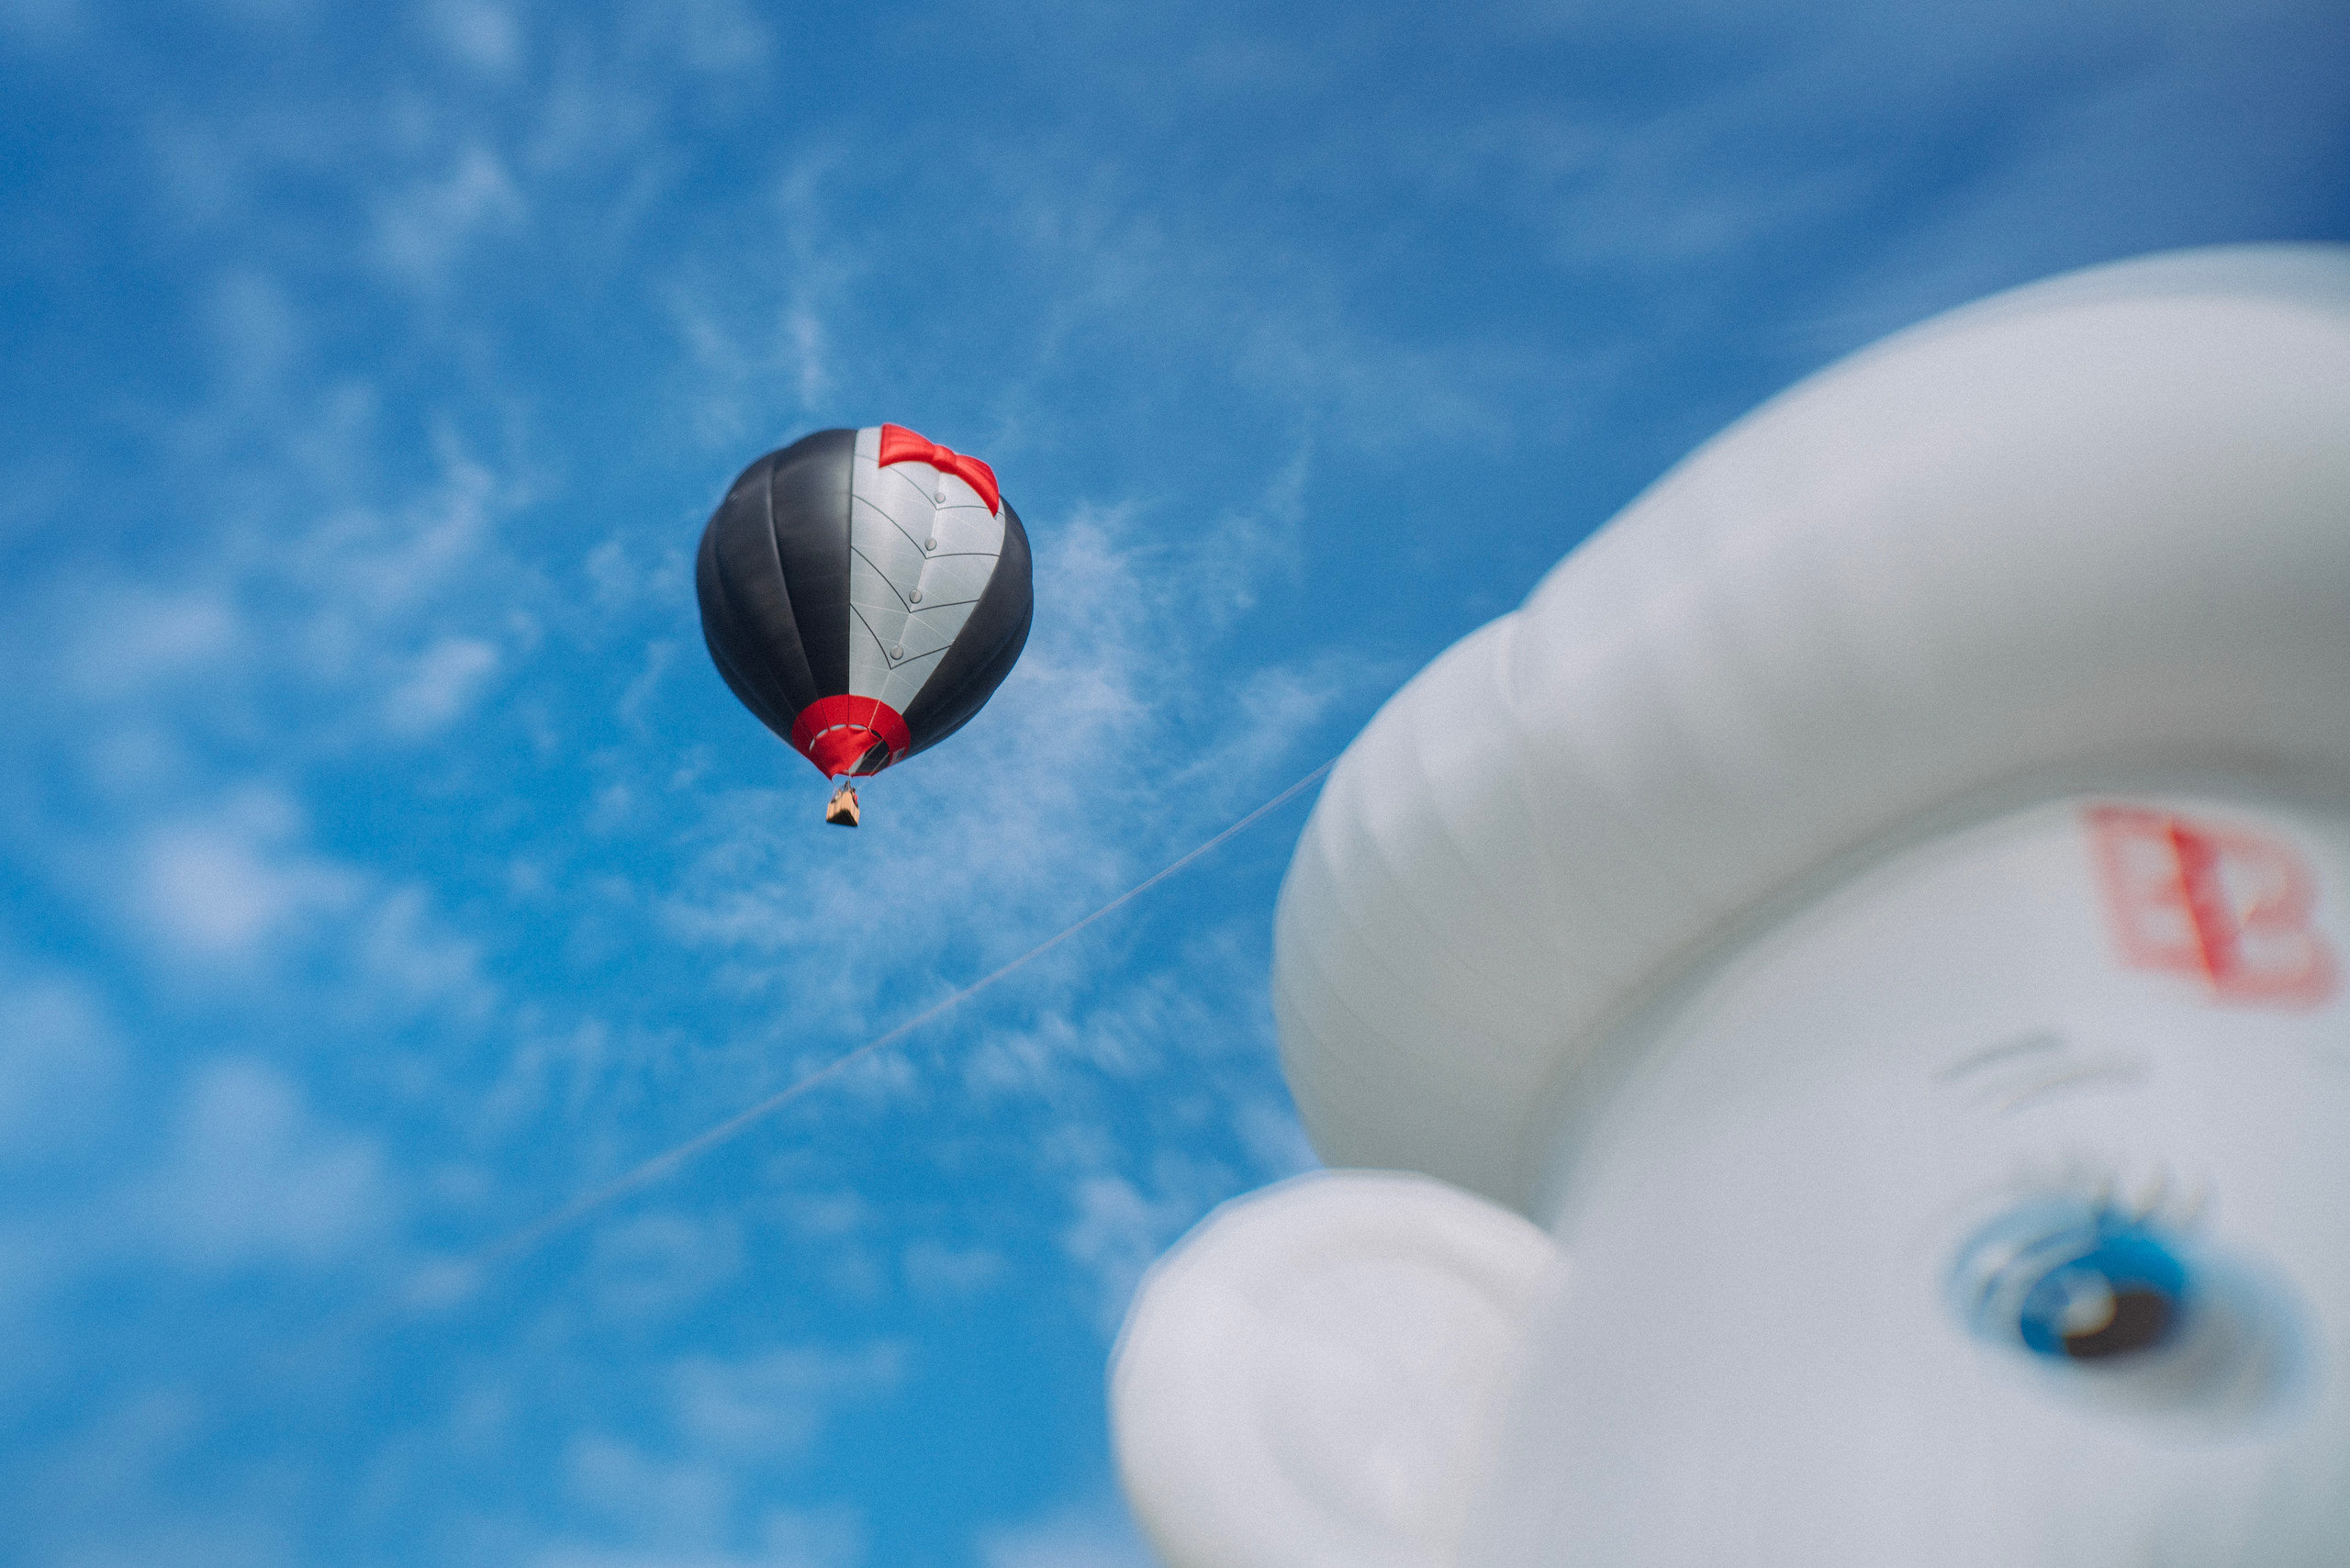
(660, 1165)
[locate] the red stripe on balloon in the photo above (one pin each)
(836, 733)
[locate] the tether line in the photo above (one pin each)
(662, 1164)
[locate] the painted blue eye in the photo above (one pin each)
(2074, 1282)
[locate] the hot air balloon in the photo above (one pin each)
(864, 592)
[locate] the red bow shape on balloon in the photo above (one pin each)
(899, 445)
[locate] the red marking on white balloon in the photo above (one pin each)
(2225, 905)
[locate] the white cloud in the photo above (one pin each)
(1101, 1535)
(656, 1265)
(41, 22)
(1272, 707)
(61, 1064)
(413, 962)
(258, 336)
(1189, 295)
(803, 335)
(684, 1502)
(623, 583)
(130, 639)
(936, 1268)
(815, 1538)
(828, 1215)
(774, 1404)
(102, 1497)
(364, 569)
(251, 1176)
(715, 37)
(739, 1421)
(479, 35)
(224, 887)
(594, 112)
(757, 326)
(754, 375)
(423, 229)
(233, 894)
(442, 683)
(659, 655)
(812, 1538)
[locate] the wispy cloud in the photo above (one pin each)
(41, 22)
(1099, 1536)
(734, 1421)
(252, 1176)
(217, 888)
(422, 228)
(441, 684)
(761, 355)
(62, 1065)
(657, 1265)
(478, 34)
(774, 1402)
(710, 37)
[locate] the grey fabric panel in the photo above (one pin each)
(809, 516)
(984, 651)
(921, 635)
(923, 546)
(908, 677)
(756, 691)
(747, 611)
(950, 581)
(962, 523)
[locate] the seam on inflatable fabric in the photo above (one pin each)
(1375, 855)
(857, 613)
(1405, 974)
(1436, 950)
(1339, 1078)
(1628, 668)
(1484, 895)
(1333, 999)
(1436, 1069)
(1516, 778)
(771, 691)
(869, 504)
(856, 554)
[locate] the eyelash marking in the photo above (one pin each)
(2022, 1070)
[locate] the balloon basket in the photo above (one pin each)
(841, 809)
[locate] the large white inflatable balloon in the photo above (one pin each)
(1836, 1009)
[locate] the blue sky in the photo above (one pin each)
(384, 864)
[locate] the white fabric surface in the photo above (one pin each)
(2100, 526)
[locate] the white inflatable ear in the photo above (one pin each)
(1309, 1379)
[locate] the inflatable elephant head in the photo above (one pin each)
(1828, 1025)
